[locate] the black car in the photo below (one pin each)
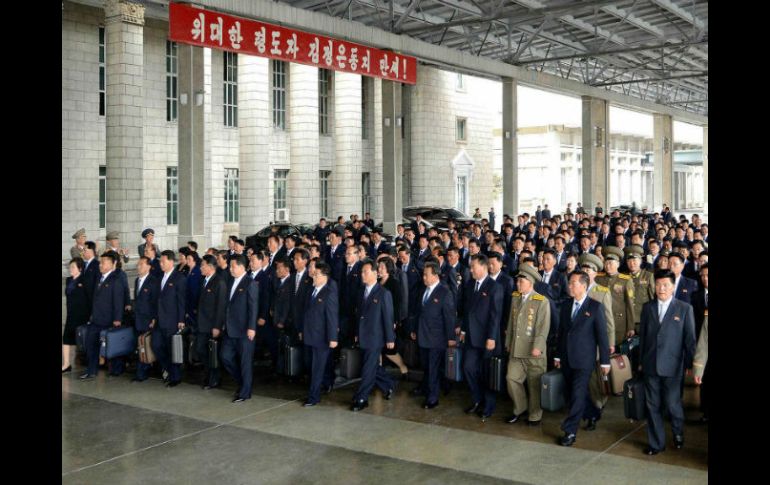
(283, 229)
(437, 216)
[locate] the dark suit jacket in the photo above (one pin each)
(350, 285)
(108, 301)
(556, 288)
(264, 289)
(171, 302)
(686, 290)
(212, 304)
(146, 302)
(78, 303)
(699, 308)
(337, 261)
(300, 298)
(375, 318)
(667, 348)
(241, 313)
(320, 324)
(508, 286)
(480, 313)
(383, 247)
(436, 319)
(578, 339)
(91, 277)
(561, 264)
(280, 301)
(194, 281)
(402, 312)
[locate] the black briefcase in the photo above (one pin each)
(350, 363)
(634, 405)
(289, 357)
(498, 366)
(213, 353)
(411, 353)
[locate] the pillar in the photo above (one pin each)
(510, 150)
(705, 171)
(345, 191)
(303, 181)
(392, 153)
(663, 155)
(596, 156)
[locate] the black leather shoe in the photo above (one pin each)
(308, 403)
(417, 391)
(512, 418)
(206, 387)
(534, 423)
(358, 406)
(678, 442)
(238, 399)
(567, 440)
(591, 424)
(86, 376)
(429, 405)
(68, 369)
(651, 451)
(173, 383)
(389, 394)
(473, 409)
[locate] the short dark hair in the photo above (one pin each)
(111, 255)
(274, 236)
(283, 261)
(195, 256)
(90, 245)
(368, 262)
(239, 259)
(233, 238)
(434, 268)
(480, 258)
(705, 266)
(495, 255)
(193, 244)
(303, 253)
(146, 259)
(676, 255)
(389, 266)
(168, 253)
(210, 260)
(78, 262)
(665, 273)
(323, 267)
(582, 275)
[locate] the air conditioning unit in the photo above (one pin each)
(282, 215)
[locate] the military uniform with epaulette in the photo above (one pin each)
(644, 284)
(528, 326)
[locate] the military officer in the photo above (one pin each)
(76, 251)
(622, 290)
(526, 335)
(644, 282)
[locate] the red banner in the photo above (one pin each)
(206, 28)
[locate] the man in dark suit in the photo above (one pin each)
(319, 331)
(373, 331)
(335, 255)
(434, 330)
(171, 311)
(667, 346)
(350, 289)
(462, 274)
(146, 291)
(321, 232)
(554, 286)
(583, 329)
(684, 287)
(448, 275)
(212, 308)
(91, 274)
(280, 303)
(302, 286)
(240, 328)
(378, 245)
(421, 252)
(480, 310)
(507, 287)
(152, 255)
(107, 309)
(413, 278)
(546, 212)
(277, 250)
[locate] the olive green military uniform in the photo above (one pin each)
(622, 291)
(702, 350)
(528, 326)
(77, 251)
(602, 295)
(644, 284)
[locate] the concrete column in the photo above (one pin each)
(124, 31)
(663, 155)
(376, 135)
(345, 190)
(596, 153)
(406, 146)
(192, 141)
(705, 171)
(254, 143)
(392, 153)
(303, 183)
(510, 150)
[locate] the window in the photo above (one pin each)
(364, 101)
(324, 196)
(231, 195)
(102, 74)
(564, 156)
(461, 134)
(279, 94)
(279, 189)
(461, 192)
(172, 196)
(171, 81)
(231, 89)
(365, 194)
(460, 84)
(324, 76)
(102, 197)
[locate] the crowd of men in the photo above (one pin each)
(563, 291)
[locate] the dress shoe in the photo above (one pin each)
(173, 383)
(308, 403)
(86, 376)
(136, 379)
(429, 405)
(417, 391)
(68, 369)
(485, 415)
(651, 451)
(591, 424)
(512, 419)
(238, 399)
(389, 394)
(473, 409)
(534, 423)
(359, 405)
(567, 440)
(678, 442)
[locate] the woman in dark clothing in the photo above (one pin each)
(78, 310)
(193, 287)
(385, 270)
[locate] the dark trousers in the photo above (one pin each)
(92, 348)
(237, 356)
(328, 364)
(578, 398)
(211, 376)
(345, 333)
(142, 370)
(432, 360)
(476, 373)
(319, 357)
(663, 391)
(372, 374)
(269, 335)
(161, 345)
(117, 365)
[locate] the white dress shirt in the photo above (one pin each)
(236, 282)
(141, 282)
(165, 279)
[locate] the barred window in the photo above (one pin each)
(172, 195)
(171, 81)
(364, 101)
(324, 76)
(279, 94)
(366, 204)
(231, 195)
(231, 89)
(279, 189)
(102, 74)
(324, 196)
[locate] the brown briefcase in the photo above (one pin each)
(146, 355)
(620, 372)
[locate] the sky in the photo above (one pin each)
(537, 107)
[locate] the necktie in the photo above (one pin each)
(706, 298)
(315, 292)
(425, 297)
(478, 285)
(660, 313)
(296, 283)
(349, 268)
(545, 277)
(101, 281)
(575, 309)
(366, 293)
